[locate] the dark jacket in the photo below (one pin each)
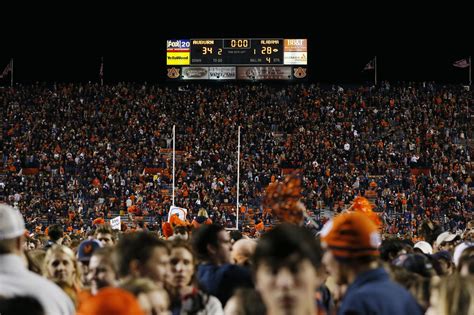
(373, 293)
(221, 281)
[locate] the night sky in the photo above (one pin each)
(411, 45)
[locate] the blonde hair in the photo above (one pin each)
(202, 213)
(455, 295)
(61, 249)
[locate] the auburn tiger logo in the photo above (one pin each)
(173, 73)
(87, 249)
(299, 72)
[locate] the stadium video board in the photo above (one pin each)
(236, 58)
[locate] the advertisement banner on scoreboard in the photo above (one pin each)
(292, 45)
(222, 73)
(264, 73)
(174, 58)
(295, 58)
(195, 73)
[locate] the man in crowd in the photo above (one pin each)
(142, 254)
(15, 279)
(105, 235)
(351, 241)
(215, 273)
(286, 261)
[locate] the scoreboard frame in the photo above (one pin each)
(237, 58)
(237, 51)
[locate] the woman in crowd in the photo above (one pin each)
(61, 267)
(186, 298)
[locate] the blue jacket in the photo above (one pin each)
(373, 293)
(221, 281)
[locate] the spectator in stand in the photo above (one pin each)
(95, 151)
(15, 279)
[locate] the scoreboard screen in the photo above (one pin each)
(238, 51)
(236, 58)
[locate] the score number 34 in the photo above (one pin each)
(210, 50)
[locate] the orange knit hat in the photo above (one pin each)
(351, 235)
(110, 301)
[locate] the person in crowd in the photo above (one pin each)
(15, 279)
(186, 298)
(445, 262)
(55, 235)
(453, 295)
(84, 253)
(111, 301)
(215, 274)
(20, 305)
(351, 257)
(242, 252)
(102, 271)
(391, 249)
(286, 261)
(153, 299)
(142, 255)
(61, 267)
(446, 241)
(423, 247)
(105, 235)
(245, 301)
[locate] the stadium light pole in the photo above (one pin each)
(174, 155)
(238, 180)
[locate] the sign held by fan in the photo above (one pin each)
(180, 212)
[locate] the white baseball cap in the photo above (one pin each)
(458, 251)
(425, 247)
(12, 224)
(445, 237)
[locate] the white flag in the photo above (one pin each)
(115, 223)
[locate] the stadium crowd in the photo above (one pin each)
(98, 151)
(74, 156)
